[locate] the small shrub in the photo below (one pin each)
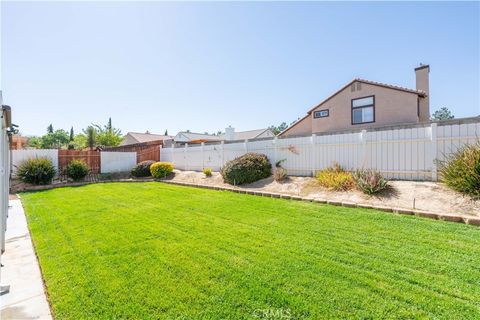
(142, 169)
(77, 169)
(36, 171)
(280, 174)
(246, 169)
(278, 164)
(335, 178)
(161, 169)
(207, 172)
(369, 181)
(461, 171)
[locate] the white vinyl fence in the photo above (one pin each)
(117, 161)
(408, 152)
(109, 161)
(19, 156)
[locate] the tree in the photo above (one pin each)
(72, 136)
(35, 142)
(79, 142)
(166, 133)
(91, 135)
(277, 129)
(108, 135)
(442, 114)
(55, 140)
(50, 128)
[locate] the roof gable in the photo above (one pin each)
(373, 83)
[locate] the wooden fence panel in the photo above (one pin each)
(91, 158)
(145, 150)
(150, 153)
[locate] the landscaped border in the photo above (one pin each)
(466, 219)
(470, 220)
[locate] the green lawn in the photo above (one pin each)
(152, 250)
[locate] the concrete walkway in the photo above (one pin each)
(26, 299)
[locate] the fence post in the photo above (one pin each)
(433, 139)
(314, 154)
(203, 161)
(185, 156)
(363, 140)
(222, 145)
(275, 149)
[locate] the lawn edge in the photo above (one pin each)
(450, 217)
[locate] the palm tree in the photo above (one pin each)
(91, 136)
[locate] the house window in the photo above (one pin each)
(320, 113)
(363, 110)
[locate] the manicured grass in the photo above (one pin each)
(151, 250)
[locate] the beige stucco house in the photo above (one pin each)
(362, 103)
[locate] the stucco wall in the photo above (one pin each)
(422, 83)
(391, 107)
(302, 127)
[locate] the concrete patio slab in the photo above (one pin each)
(26, 299)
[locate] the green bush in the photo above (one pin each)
(369, 181)
(142, 169)
(335, 178)
(36, 171)
(207, 172)
(461, 171)
(246, 169)
(77, 169)
(161, 169)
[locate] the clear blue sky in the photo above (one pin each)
(204, 66)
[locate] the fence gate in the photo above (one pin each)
(91, 158)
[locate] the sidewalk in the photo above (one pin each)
(26, 299)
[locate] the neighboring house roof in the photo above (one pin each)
(182, 136)
(374, 83)
(146, 137)
(246, 135)
(193, 136)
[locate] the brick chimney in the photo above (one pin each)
(421, 74)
